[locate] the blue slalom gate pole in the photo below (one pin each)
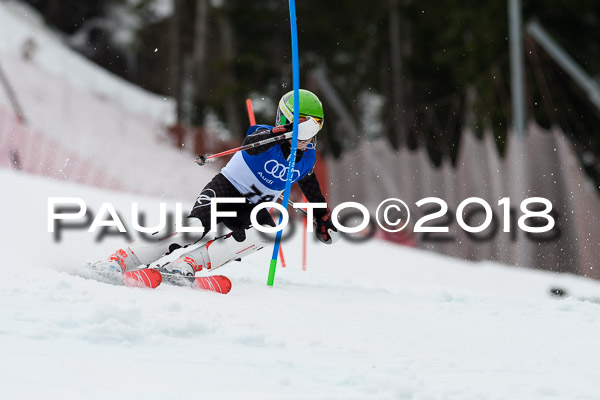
(292, 161)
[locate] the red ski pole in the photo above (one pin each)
(250, 112)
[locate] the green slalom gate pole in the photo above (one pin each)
(292, 162)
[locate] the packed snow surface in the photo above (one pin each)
(365, 321)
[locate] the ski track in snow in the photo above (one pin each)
(365, 321)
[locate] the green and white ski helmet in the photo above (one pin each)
(310, 106)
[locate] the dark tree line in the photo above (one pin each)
(438, 66)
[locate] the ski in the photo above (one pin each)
(152, 278)
(213, 283)
(144, 278)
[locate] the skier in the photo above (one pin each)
(258, 175)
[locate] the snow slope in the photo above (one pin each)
(369, 321)
(98, 120)
(20, 24)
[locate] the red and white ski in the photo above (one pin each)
(213, 283)
(152, 278)
(147, 277)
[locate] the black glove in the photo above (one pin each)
(265, 134)
(326, 232)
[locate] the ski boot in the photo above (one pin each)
(120, 261)
(120, 269)
(213, 254)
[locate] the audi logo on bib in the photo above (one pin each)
(279, 171)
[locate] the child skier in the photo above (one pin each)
(257, 175)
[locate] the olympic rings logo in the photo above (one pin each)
(279, 171)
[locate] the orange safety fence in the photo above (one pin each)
(33, 152)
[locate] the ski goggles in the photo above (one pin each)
(283, 120)
(319, 120)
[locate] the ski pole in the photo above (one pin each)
(291, 204)
(203, 158)
(252, 121)
(250, 112)
(314, 220)
(304, 224)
